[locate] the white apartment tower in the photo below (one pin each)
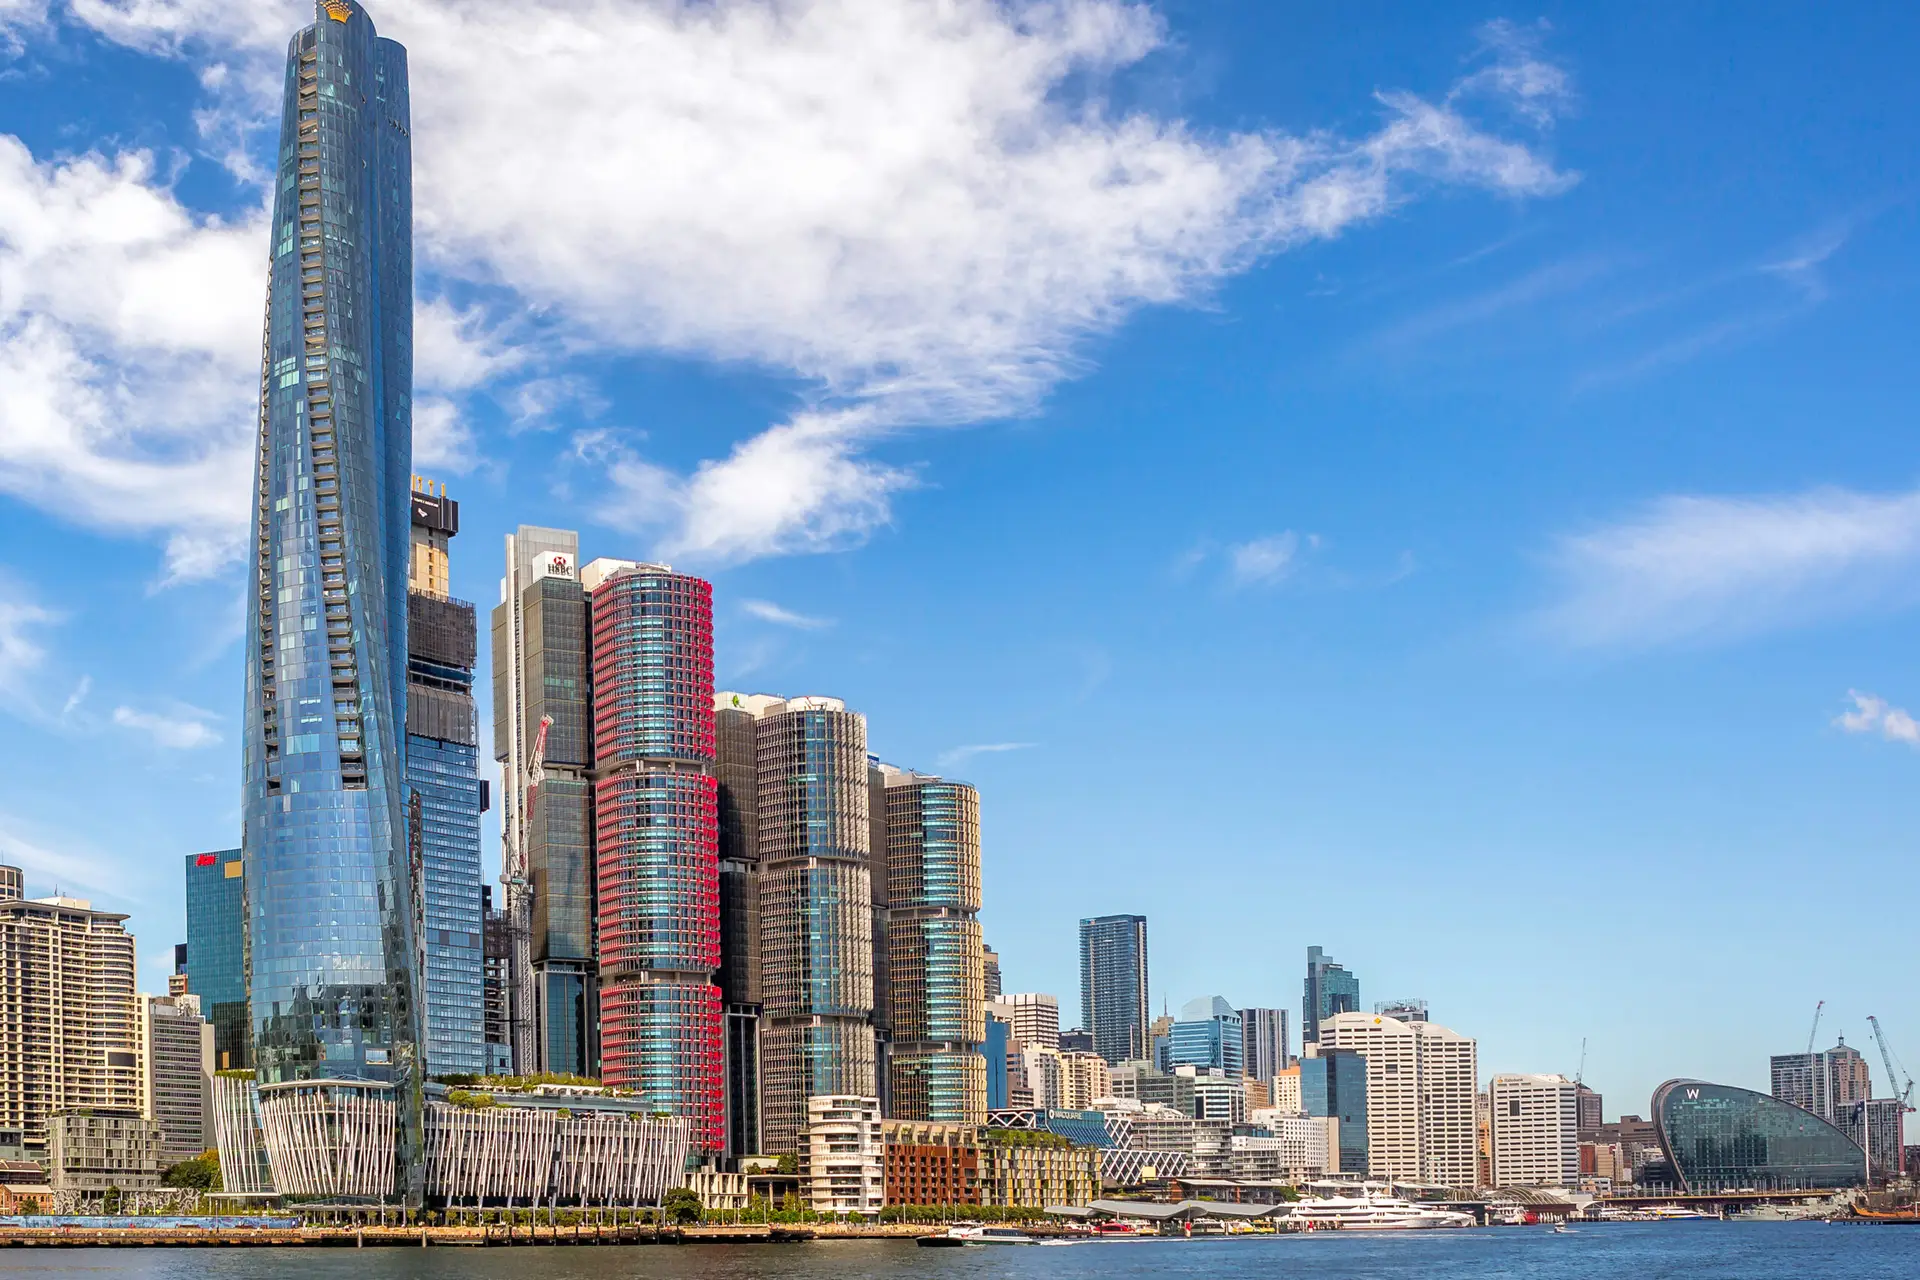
(1535, 1134)
(1033, 1018)
(845, 1156)
(1421, 1079)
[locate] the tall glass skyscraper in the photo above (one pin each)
(217, 950)
(1113, 986)
(333, 971)
(444, 791)
(937, 989)
(656, 840)
(1330, 989)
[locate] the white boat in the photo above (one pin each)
(1673, 1213)
(1372, 1208)
(990, 1235)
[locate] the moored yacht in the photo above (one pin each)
(1371, 1207)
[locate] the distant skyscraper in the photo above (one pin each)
(1113, 985)
(1591, 1110)
(69, 1022)
(990, 966)
(444, 791)
(496, 986)
(816, 912)
(995, 1052)
(334, 978)
(736, 769)
(176, 1074)
(1208, 1035)
(1333, 1085)
(656, 840)
(936, 1003)
(1330, 989)
(1032, 1016)
(1265, 1042)
(1826, 1083)
(1421, 1082)
(217, 950)
(1534, 1131)
(1076, 1041)
(543, 736)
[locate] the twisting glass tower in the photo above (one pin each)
(333, 970)
(656, 840)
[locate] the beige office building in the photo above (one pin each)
(69, 1019)
(1533, 1131)
(1032, 1018)
(176, 1074)
(1421, 1079)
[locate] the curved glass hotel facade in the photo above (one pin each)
(1722, 1138)
(332, 972)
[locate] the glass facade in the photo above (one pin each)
(995, 1053)
(1113, 986)
(1209, 1036)
(1330, 989)
(816, 914)
(333, 983)
(445, 775)
(1335, 1084)
(216, 950)
(1721, 1138)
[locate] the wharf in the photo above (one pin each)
(346, 1237)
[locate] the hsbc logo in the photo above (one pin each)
(556, 564)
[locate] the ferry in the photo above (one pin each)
(972, 1235)
(1374, 1208)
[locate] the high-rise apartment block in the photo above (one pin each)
(1827, 1083)
(1421, 1081)
(1264, 1042)
(1032, 1016)
(656, 840)
(444, 791)
(990, 967)
(333, 975)
(217, 950)
(1330, 990)
(496, 985)
(1590, 1110)
(543, 738)
(69, 1020)
(816, 912)
(176, 1074)
(1534, 1131)
(935, 1006)
(1113, 986)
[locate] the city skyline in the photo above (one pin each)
(1389, 482)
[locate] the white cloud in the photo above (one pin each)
(960, 755)
(20, 652)
(1265, 560)
(1872, 714)
(922, 209)
(66, 871)
(768, 611)
(1705, 568)
(129, 353)
(442, 438)
(186, 731)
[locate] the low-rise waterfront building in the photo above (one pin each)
(1031, 1170)
(929, 1163)
(93, 1152)
(843, 1168)
(1719, 1137)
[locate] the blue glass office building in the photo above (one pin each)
(333, 981)
(1113, 985)
(217, 950)
(1335, 1084)
(1208, 1036)
(1329, 989)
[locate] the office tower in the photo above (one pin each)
(1283, 1091)
(1330, 989)
(994, 1051)
(936, 1005)
(1333, 1086)
(543, 738)
(1208, 1035)
(1076, 1041)
(445, 794)
(736, 771)
(1534, 1131)
(1113, 985)
(657, 841)
(496, 983)
(333, 973)
(69, 1023)
(1405, 1010)
(217, 951)
(1589, 1112)
(1160, 1042)
(177, 980)
(816, 912)
(990, 966)
(1826, 1083)
(1421, 1080)
(1033, 1016)
(1877, 1126)
(1085, 1078)
(1264, 1042)
(877, 882)
(176, 1074)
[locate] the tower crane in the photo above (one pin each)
(1816, 1028)
(1895, 1072)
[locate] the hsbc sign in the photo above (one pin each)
(555, 564)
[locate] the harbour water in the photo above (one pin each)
(1613, 1251)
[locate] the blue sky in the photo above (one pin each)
(1433, 483)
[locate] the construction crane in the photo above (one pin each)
(1895, 1072)
(1580, 1076)
(1816, 1028)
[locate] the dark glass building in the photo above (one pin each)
(217, 950)
(1330, 989)
(444, 795)
(736, 721)
(1720, 1138)
(333, 974)
(1335, 1085)
(1113, 985)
